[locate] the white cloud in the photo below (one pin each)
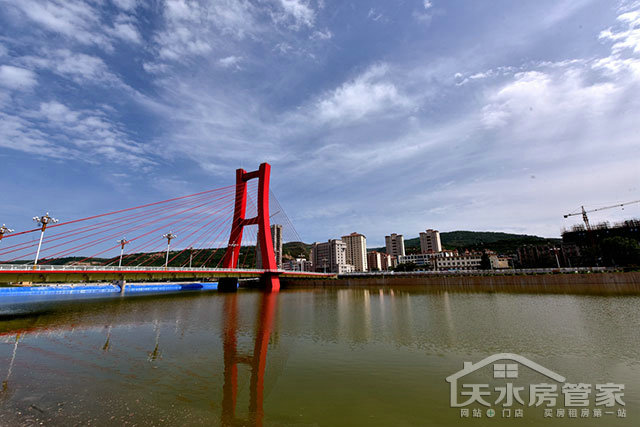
(128, 5)
(616, 65)
(92, 133)
(367, 94)
(75, 19)
(536, 97)
(155, 68)
(18, 134)
(321, 35)
(300, 11)
(374, 15)
(80, 21)
(3, 51)
(195, 28)
(629, 38)
(124, 28)
(57, 131)
(17, 78)
(79, 67)
(283, 47)
(424, 14)
(626, 44)
(57, 112)
(230, 61)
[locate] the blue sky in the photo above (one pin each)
(377, 116)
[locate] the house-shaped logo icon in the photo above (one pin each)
(505, 369)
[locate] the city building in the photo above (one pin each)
(387, 261)
(395, 245)
(356, 251)
(298, 264)
(602, 245)
(379, 261)
(330, 257)
(451, 260)
(276, 237)
(547, 256)
(430, 241)
(498, 262)
(418, 259)
(374, 261)
(444, 261)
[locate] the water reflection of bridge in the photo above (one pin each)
(257, 361)
(47, 325)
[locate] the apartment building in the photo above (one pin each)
(356, 253)
(330, 257)
(378, 261)
(430, 241)
(395, 244)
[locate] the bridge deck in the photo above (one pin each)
(74, 273)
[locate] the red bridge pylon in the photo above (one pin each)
(270, 279)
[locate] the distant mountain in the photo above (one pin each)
(503, 243)
(292, 250)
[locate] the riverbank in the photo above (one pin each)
(606, 283)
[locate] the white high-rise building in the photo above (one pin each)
(395, 244)
(276, 237)
(330, 257)
(356, 251)
(430, 241)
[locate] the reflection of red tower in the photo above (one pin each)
(257, 361)
(271, 280)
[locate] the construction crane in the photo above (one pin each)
(584, 212)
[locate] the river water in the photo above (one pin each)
(322, 357)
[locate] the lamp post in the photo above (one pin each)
(168, 236)
(555, 252)
(122, 242)
(42, 221)
(233, 261)
(4, 230)
(190, 256)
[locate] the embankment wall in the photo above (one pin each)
(610, 283)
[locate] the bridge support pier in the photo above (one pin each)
(121, 284)
(270, 282)
(228, 284)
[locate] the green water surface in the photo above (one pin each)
(327, 357)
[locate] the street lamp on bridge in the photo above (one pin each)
(122, 242)
(42, 222)
(4, 230)
(232, 246)
(168, 236)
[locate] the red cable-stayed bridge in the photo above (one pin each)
(194, 237)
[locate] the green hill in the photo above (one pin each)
(503, 243)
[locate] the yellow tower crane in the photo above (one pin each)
(584, 212)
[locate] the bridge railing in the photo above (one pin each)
(101, 268)
(71, 267)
